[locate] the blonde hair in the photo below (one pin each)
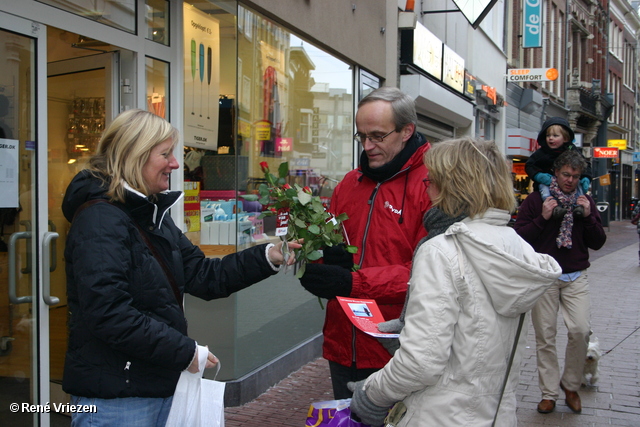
(559, 129)
(471, 176)
(124, 149)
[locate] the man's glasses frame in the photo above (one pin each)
(376, 139)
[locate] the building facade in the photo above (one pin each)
(592, 45)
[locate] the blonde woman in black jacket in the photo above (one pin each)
(128, 266)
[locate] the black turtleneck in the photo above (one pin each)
(389, 169)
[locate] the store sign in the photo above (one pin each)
(263, 130)
(475, 10)
(532, 74)
(605, 152)
(491, 93)
(518, 168)
(427, 51)
(636, 157)
(469, 86)
(284, 144)
(532, 23)
(453, 69)
(620, 144)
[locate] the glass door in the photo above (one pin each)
(25, 241)
(81, 97)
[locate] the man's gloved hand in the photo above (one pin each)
(327, 281)
(585, 183)
(394, 327)
(338, 255)
(365, 409)
(542, 178)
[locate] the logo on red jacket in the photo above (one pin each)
(389, 206)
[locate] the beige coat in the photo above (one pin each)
(468, 289)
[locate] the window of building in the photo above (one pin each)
(120, 14)
(157, 20)
(256, 92)
(157, 73)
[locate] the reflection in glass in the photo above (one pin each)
(157, 19)
(120, 14)
(296, 106)
(157, 73)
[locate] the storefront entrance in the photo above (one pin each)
(53, 109)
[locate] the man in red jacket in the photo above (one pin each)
(385, 199)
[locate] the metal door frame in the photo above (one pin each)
(40, 310)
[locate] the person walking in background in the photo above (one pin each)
(555, 137)
(128, 266)
(568, 240)
(635, 220)
(385, 199)
(472, 281)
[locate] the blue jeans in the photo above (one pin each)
(120, 412)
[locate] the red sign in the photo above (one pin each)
(605, 152)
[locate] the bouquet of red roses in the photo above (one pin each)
(307, 217)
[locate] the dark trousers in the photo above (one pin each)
(341, 375)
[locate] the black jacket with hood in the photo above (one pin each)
(542, 159)
(127, 332)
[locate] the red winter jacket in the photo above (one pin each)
(385, 249)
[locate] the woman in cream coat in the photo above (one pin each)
(471, 280)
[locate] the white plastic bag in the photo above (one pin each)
(197, 402)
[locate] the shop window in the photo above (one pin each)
(255, 92)
(157, 86)
(157, 20)
(120, 14)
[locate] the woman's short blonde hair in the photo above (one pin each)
(124, 149)
(471, 176)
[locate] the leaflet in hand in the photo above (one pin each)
(365, 315)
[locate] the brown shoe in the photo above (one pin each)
(546, 406)
(572, 399)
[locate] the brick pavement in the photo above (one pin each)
(615, 400)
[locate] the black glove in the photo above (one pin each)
(368, 412)
(338, 255)
(327, 281)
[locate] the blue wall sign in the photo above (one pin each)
(532, 17)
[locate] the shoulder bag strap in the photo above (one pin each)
(145, 239)
(515, 342)
(506, 376)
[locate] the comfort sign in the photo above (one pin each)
(532, 74)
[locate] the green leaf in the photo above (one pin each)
(303, 197)
(314, 229)
(265, 200)
(352, 249)
(315, 255)
(283, 170)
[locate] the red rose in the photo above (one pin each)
(264, 166)
(286, 186)
(307, 190)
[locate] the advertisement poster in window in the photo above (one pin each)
(269, 127)
(201, 79)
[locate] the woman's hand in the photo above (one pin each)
(212, 361)
(277, 257)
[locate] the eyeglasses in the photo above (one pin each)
(567, 175)
(361, 138)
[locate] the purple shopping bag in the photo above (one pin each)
(331, 413)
